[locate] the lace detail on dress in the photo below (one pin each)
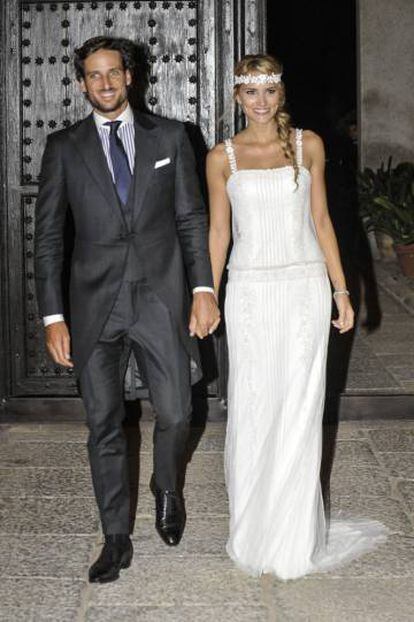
(231, 155)
(299, 147)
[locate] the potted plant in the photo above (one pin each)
(386, 198)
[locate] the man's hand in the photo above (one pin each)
(205, 315)
(58, 343)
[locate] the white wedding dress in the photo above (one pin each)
(277, 311)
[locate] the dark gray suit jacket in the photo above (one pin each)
(168, 227)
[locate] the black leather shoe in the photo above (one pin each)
(116, 554)
(169, 515)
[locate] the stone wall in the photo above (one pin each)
(386, 53)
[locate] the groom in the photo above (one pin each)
(140, 235)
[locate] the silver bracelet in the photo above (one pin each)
(338, 292)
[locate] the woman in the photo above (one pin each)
(269, 181)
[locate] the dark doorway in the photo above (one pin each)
(316, 42)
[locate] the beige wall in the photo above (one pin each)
(386, 66)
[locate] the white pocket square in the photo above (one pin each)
(163, 162)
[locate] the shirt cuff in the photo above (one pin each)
(52, 319)
(202, 288)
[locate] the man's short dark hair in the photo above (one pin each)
(126, 48)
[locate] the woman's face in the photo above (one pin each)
(259, 101)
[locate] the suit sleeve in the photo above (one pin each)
(51, 207)
(191, 216)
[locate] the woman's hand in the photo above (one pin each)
(345, 319)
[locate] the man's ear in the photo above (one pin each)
(128, 77)
(82, 85)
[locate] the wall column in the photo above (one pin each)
(386, 81)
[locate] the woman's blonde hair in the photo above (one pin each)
(264, 63)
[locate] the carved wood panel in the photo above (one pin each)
(49, 33)
(191, 50)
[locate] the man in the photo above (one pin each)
(140, 232)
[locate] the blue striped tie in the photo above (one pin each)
(120, 165)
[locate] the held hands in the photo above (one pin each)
(58, 343)
(205, 315)
(345, 319)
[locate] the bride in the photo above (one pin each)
(266, 187)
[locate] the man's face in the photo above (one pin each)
(106, 81)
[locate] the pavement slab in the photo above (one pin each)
(195, 613)
(47, 593)
(359, 481)
(349, 598)
(47, 515)
(55, 556)
(406, 489)
(399, 288)
(394, 558)
(38, 453)
(347, 451)
(46, 482)
(208, 581)
(381, 361)
(399, 439)
(62, 432)
(390, 512)
(38, 613)
(399, 464)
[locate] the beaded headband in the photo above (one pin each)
(261, 78)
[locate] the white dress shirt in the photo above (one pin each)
(126, 133)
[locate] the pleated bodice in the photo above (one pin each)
(271, 217)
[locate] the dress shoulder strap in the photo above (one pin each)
(228, 144)
(299, 147)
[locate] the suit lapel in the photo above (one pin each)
(146, 148)
(88, 143)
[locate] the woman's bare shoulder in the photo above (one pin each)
(218, 150)
(312, 140)
(217, 156)
(313, 149)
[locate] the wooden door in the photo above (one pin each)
(191, 51)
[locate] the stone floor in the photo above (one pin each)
(49, 535)
(382, 360)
